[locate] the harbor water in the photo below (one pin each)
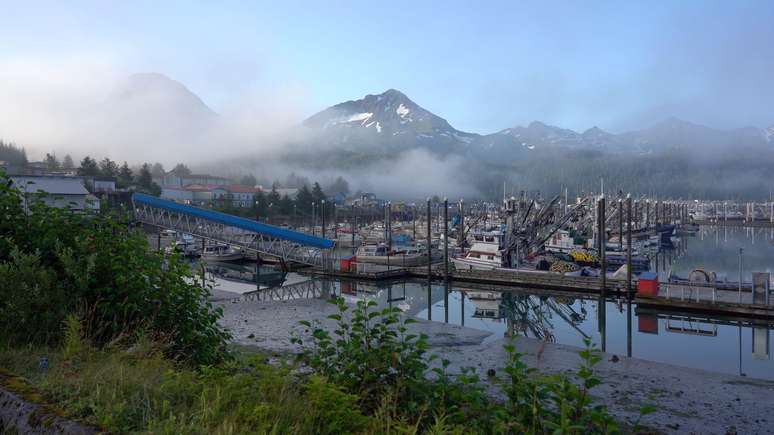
(727, 345)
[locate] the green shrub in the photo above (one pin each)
(54, 262)
(372, 355)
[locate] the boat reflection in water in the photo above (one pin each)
(615, 325)
(244, 273)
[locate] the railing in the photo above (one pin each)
(290, 246)
(705, 293)
(310, 289)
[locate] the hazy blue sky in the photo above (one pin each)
(481, 65)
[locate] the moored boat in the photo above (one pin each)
(222, 253)
(481, 256)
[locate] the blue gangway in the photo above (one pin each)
(288, 245)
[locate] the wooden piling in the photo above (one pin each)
(628, 247)
(601, 232)
(446, 239)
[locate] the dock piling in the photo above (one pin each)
(446, 239)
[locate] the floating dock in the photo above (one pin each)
(693, 297)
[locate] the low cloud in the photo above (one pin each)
(91, 107)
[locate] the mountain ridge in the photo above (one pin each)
(391, 122)
(374, 111)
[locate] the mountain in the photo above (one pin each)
(155, 113)
(387, 122)
(595, 137)
(154, 103)
(153, 92)
(390, 122)
(539, 138)
(676, 134)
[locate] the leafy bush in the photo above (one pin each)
(373, 355)
(54, 262)
(370, 354)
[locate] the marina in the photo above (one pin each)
(688, 301)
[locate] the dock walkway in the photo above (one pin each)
(704, 298)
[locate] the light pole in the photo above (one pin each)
(314, 219)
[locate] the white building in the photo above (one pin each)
(240, 196)
(172, 178)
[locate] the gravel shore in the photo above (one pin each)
(688, 400)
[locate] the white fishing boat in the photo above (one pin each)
(481, 256)
(379, 254)
(487, 303)
(492, 237)
(222, 253)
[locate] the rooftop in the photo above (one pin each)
(52, 185)
(237, 188)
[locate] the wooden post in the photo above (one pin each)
(620, 224)
(602, 262)
(414, 221)
(429, 244)
(629, 328)
(429, 263)
(389, 228)
(446, 301)
(740, 275)
(384, 218)
(258, 270)
(461, 237)
(322, 217)
(629, 247)
(158, 240)
(446, 239)
(462, 309)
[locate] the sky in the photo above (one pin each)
(483, 66)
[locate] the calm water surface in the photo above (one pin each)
(711, 343)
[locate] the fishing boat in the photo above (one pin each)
(185, 245)
(222, 253)
(487, 303)
(481, 256)
(493, 237)
(380, 254)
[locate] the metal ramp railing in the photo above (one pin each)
(289, 246)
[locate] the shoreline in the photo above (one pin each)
(688, 400)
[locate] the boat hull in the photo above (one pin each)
(467, 264)
(235, 256)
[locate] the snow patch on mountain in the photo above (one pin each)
(402, 110)
(360, 117)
